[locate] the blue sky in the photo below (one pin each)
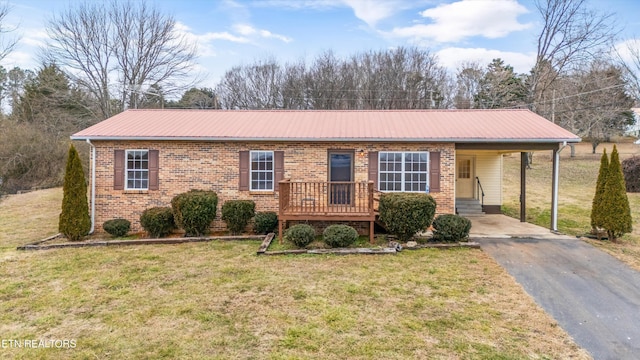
(237, 32)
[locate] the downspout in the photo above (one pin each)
(556, 178)
(92, 166)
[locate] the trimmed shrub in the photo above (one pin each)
(74, 221)
(631, 170)
(157, 221)
(265, 222)
(237, 213)
(450, 228)
(301, 235)
(404, 214)
(117, 227)
(339, 235)
(194, 211)
(615, 204)
(597, 214)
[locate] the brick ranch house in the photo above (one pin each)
(310, 165)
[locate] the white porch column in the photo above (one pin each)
(555, 182)
(554, 190)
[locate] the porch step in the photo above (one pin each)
(468, 207)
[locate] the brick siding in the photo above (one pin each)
(186, 165)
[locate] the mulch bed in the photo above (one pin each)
(263, 250)
(42, 244)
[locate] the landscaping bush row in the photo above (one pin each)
(302, 235)
(404, 214)
(194, 211)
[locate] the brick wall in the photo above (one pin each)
(214, 166)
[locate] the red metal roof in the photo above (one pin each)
(459, 126)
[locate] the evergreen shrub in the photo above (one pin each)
(404, 214)
(74, 221)
(339, 235)
(237, 213)
(117, 227)
(615, 204)
(157, 221)
(265, 222)
(451, 228)
(300, 235)
(194, 211)
(597, 213)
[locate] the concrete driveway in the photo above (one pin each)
(592, 295)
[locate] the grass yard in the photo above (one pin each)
(578, 177)
(220, 300)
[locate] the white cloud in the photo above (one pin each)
(248, 30)
(372, 11)
(454, 56)
(369, 11)
(628, 50)
(210, 36)
(22, 59)
(241, 33)
(466, 18)
(300, 4)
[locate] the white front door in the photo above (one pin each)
(464, 177)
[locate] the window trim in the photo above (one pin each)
(403, 171)
(126, 170)
(273, 170)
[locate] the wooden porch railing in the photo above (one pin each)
(326, 198)
(327, 201)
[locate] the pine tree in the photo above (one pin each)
(596, 205)
(74, 218)
(615, 204)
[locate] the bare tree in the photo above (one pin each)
(593, 102)
(7, 44)
(572, 34)
(628, 58)
(467, 86)
(255, 86)
(395, 79)
(116, 47)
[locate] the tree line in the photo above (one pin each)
(105, 57)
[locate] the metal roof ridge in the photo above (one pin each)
(326, 110)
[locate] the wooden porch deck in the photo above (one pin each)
(327, 201)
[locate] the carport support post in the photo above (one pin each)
(554, 190)
(523, 186)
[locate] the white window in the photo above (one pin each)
(137, 172)
(261, 171)
(403, 171)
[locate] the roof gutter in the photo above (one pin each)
(92, 165)
(429, 140)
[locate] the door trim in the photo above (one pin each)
(472, 173)
(352, 153)
(341, 194)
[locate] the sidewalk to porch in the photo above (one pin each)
(502, 226)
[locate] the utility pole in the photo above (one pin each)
(553, 106)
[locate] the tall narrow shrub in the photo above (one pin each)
(596, 205)
(615, 204)
(74, 220)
